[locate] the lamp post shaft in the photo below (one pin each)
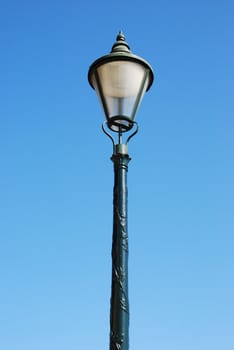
(119, 313)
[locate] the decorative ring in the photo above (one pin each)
(117, 124)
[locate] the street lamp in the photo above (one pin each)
(120, 80)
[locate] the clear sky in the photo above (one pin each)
(56, 176)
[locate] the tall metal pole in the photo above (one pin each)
(119, 312)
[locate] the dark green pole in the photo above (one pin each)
(119, 312)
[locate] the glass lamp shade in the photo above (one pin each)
(120, 80)
(120, 86)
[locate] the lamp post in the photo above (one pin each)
(120, 80)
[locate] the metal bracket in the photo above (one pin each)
(119, 147)
(134, 133)
(108, 134)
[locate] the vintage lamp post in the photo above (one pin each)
(120, 80)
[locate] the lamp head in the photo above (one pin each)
(120, 80)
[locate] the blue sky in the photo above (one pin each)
(56, 176)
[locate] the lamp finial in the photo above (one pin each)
(120, 36)
(120, 45)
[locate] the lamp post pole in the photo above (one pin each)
(119, 313)
(120, 80)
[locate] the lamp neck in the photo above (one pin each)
(120, 148)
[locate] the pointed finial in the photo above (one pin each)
(120, 44)
(120, 36)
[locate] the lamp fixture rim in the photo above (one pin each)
(120, 56)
